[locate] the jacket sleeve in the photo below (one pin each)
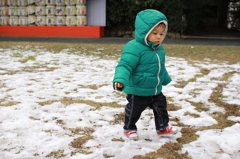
(167, 79)
(128, 61)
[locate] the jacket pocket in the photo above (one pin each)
(139, 80)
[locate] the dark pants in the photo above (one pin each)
(137, 104)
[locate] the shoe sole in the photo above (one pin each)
(135, 137)
(131, 135)
(132, 138)
(167, 134)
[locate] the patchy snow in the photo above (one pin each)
(222, 144)
(29, 129)
(232, 87)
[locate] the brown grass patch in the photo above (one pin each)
(173, 107)
(216, 54)
(9, 104)
(192, 114)
(78, 142)
(119, 118)
(56, 154)
(69, 101)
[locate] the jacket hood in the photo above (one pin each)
(146, 21)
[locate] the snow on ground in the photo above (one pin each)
(31, 130)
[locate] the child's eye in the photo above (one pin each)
(155, 33)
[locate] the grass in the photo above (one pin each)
(79, 142)
(32, 58)
(215, 54)
(68, 101)
(8, 104)
(200, 53)
(205, 54)
(55, 154)
(107, 51)
(199, 106)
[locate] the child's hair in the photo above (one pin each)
(162, 24)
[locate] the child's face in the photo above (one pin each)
(156, 36)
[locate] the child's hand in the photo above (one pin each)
(117, 85)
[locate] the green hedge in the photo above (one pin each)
(182, 14)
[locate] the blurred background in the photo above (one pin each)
(186, 17)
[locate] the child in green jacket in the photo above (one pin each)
(141, 73)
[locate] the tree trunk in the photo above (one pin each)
(222, 13)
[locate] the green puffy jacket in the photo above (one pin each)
(141, 68)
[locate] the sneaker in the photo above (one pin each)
(131, 134)
(168, 130)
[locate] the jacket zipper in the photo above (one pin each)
(159, 69)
